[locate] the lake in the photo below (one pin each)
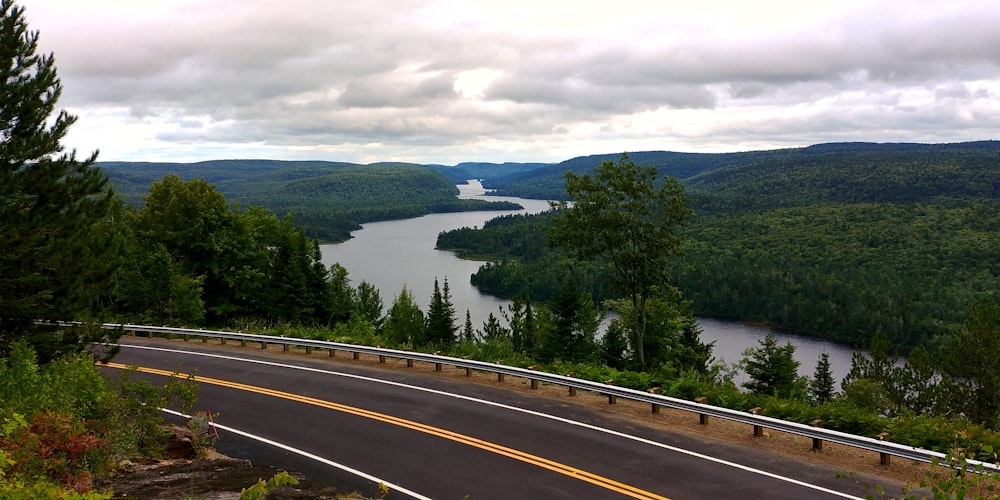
(392, 254)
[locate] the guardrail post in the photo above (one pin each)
(702, 418)
(499, 375)
(285, 347)
(612, 399)
(243, 343)
(437, 366)
(204, 340)
(572, 390)
(758, 430)
(357, 355)
(409, 363)
(223, 339)
(534, 383)
(381, 358)
(309, 350)
(884, 458)
(468, 371)
(656, 407)
(263, 345)
(817, 442)
(185, 336)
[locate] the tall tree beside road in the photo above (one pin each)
(620, 214)
(55, 263)
(970, 359)
(772, 369)
(441, 330)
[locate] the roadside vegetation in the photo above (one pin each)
(893, 262)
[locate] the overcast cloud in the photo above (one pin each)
(444, 82)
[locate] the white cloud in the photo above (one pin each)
(449, 81)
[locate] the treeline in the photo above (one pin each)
(834, 240)
(840, 271)
(910, 271)
(837, 172)
(327, 199)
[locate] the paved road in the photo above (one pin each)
(441, 446)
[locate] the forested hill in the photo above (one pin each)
(328, 199)
(824, 173)
(838, 240)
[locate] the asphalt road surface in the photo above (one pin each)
(433, 437)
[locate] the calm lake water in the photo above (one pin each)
(392, 254)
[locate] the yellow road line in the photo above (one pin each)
(427, 429)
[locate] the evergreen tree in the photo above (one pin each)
(369, 304)
(56, 258)
(521, 323)
(468, 332)
(970, 360)
(691, 352)
(821, 387)
(574, 326)
(772, 369)
(614, 347)
(441, 329)
(493, 331)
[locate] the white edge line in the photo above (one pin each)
(392, 487)
(522, 410)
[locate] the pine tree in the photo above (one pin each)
(468, 332)
(56, 256)
(821, 387)
(772, 368)
(441, 329)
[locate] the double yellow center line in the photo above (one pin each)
(427, 429)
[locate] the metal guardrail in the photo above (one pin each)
(885, 448)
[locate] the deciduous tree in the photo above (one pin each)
(629, 216)
(405, 322)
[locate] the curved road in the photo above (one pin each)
(439, 438)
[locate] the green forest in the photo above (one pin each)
(838, 240)
(327, 199)
(888, 246)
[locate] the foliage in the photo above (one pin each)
(835, 240)
(405, 322)
(619, 214)
(772, 369)
(368, 304)
(821, 387)
(568, 327)
(328, 199)
(57, 258)
(970, 360)
(67, 423)
(192, 259)
(440, 328)
(20, 468)
(264, 488)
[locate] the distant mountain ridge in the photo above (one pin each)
(329, 199)
(835, 172)
(850, 172)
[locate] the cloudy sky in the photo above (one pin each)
(510, 80)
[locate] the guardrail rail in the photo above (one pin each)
(882, 446)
